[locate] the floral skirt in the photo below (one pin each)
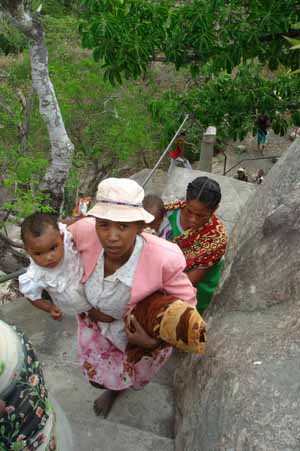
(104, 364)
(28, 421)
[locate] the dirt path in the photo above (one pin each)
(237, 151)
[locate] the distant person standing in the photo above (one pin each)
(262, 123)
(177, 154)
(260, 176)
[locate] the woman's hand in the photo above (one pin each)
(137, 336)
(96, 315)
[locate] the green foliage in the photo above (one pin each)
(231, 48)
(22, 177)
(124, 34)
(167, 110)
(107, 124)
(232, 104)
(127, 34)
(11, 41)
(55, 8)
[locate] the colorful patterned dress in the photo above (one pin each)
(29, 421)
(202, 248)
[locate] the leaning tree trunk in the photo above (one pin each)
(61, 145)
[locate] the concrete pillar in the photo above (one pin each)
(207, 149)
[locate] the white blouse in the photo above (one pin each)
(111, 294)
(62, 282)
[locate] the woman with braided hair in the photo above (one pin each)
(193, 225)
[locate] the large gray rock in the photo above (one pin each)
(244, 394)
(156, 183)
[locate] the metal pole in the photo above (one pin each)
(165, 151)
(225, 163)
(251, 159)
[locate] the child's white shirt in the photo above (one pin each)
(63, 283)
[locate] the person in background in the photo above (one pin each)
(155, 206)
(260, 176)
(263, 123)
(201, 236)
(177, 154)
(241, 175)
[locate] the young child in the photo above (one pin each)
(55, 266)
(155, 206)
(122, 267)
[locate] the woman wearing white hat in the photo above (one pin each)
(122, 266)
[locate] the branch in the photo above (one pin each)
(19, 256)
(10, 242)
(288, 34)
(15, 12)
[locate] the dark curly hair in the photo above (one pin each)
(36, 225)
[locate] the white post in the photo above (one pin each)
(207, 149)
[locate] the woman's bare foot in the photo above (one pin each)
(104, 403)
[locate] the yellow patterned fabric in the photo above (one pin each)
(171, 320)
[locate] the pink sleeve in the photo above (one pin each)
(82, 230)
(176, 282)
(87, 244)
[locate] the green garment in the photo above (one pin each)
(207, 286)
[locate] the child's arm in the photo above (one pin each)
(47, 306)
(32, 290)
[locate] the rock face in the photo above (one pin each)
(157, 182)
(244, 394)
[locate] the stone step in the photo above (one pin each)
(149, 410)
(108, 436)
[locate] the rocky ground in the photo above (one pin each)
(246, 149)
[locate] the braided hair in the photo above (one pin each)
(204, 190)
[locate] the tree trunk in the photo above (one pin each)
(61, 145)
(11, 259)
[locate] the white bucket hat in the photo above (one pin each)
(120, 200)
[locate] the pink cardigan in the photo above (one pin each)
(160, 267)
